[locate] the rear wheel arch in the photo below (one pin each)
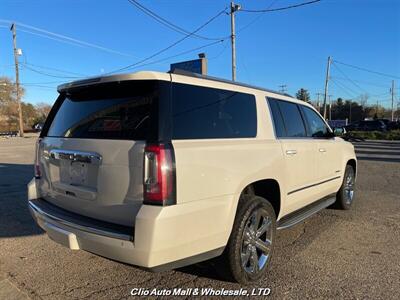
(268, 189)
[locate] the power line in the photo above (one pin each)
(54, 69)
(167, 23)
(168, 47)
(47, 74)
(220, 53)
(367, 70)
(363, 82)
(347, 90)
(44, 82)
(348, 78)
(176, 55)
(255, 19)
(279, 8)
(64, 38)
(344, 89)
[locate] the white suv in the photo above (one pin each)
(163, 170)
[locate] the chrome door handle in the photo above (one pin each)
(291, 152)
(79, 156)
(322, 150)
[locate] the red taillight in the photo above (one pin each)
(38, 171)
(159, 175)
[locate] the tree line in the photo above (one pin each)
(32, 114)
(349, 109)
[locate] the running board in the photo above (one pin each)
(305, 212)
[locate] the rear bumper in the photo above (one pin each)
(164, 237)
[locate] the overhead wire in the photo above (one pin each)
(61, 37)
(169, 24)
(255, 19)
(25, 66)
(54, 69)
(176, 55)
(363, 82)
(279, 8)
(348, 78)
(170, 46)
(367, 70)
(345, 89)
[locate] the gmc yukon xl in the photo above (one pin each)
(162, 170)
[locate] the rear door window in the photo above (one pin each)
(292, 119)
(207, 113)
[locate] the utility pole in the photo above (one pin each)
(16, 53)
(326, 84)
(351, 102)
(318, 104)
(392, 90)
(234, 8)
(283, 88)
(330, 107)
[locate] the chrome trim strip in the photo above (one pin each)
(38, 212)
(312, 185)
(79, 156)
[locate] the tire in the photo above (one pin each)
(246, 246)
(345, 195)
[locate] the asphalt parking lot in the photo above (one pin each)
(335, 254)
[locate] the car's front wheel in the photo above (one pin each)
(250, 245)
(345, 195)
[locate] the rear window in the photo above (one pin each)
(112, 111)
(207, 113)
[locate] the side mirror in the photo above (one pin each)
(338, 131)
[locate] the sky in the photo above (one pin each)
(287, 47)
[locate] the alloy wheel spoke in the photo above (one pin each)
(245, 256)
(253, 221)
(264, 246)
(254, 260)
(264, 227)
(246, 236)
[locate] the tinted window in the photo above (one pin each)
(201, 112)
(316, 126)
(110, 112)
(277, 118)
(292, 119)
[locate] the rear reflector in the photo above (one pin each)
(38, 171)
(159, 182)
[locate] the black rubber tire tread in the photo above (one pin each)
(231, 256)
(340, 196)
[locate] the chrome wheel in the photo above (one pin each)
(257, 242)
(349, 187)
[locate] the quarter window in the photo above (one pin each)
(206, 113)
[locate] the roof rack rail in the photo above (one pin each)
(197, 75)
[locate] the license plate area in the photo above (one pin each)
(74, 168)
(78, 173)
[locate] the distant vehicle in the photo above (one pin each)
(9, 133)
(395, 125)
(370, 125)
(390, 125)
(38, 127)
